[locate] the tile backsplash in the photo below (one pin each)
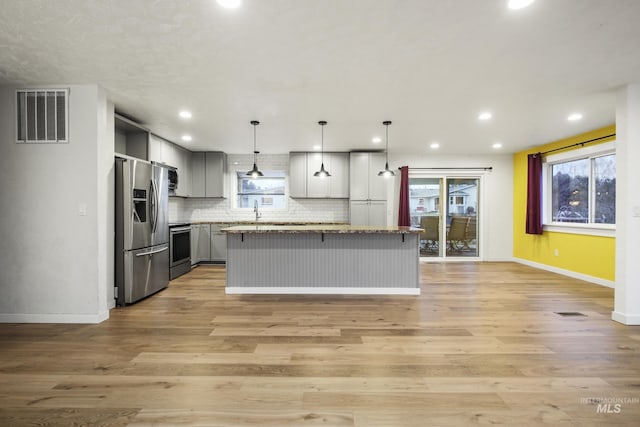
(219, 210)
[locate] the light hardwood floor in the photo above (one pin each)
(482, 345)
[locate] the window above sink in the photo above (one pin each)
(268, 190)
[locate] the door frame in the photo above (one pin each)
(444, 175)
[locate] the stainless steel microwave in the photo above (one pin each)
(173, 181)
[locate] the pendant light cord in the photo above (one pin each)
(255, 152)
(322, 142)
(386, 149)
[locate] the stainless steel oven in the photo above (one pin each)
(179, 249)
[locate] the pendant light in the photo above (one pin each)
(386, 172)
(255, 172)
(322, 173)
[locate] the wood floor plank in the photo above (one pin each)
(333, 384)
(212, 358)
(518, 385)
(284, 418)
(383, 402)
(482, 344)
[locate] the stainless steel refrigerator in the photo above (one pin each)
(142, 230)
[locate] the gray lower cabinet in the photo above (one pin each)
(200, 243)
(368, 212)
(218, 243)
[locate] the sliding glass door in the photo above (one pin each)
(462, 217)
(425, 195)
(446, 207)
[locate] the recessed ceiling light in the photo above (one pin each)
(185, 114)
(230, 4)
(236, 163)
(316, 147)
(484, 116)
(497, 145)
(435, 146)
(519, 4)
(376, 140)
(575, 116)
(186, 138)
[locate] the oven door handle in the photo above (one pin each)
(180, 230)
(153, 252)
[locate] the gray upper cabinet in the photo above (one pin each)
(339, 175)
(131, 139)
(168, 153)
(208, 174)
(303, 184)
(318, 187)
(298, 174)
(359, 176)
(364, 182)
(197, 174)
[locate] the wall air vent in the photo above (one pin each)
(42, 116)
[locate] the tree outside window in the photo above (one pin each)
(268, 190)
(583, 190)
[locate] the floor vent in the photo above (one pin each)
(569, 313)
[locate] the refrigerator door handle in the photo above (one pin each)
(157, 251)
(152, 206)
(157, 206)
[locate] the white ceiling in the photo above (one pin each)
(430, 66)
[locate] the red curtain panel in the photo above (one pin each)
(534, 194)
(404, 218)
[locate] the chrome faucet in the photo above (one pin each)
(255, 209)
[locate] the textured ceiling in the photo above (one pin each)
(429, 65)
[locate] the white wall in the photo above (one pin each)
(627, 287)
(106, 203)
(496, 210)
(55, 262)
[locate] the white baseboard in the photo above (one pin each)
(626, 319)
(321, 290)
(53, 318)
(462, 259)
(568, 273)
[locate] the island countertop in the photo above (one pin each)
(318, 228)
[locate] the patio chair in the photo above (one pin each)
(456, 238)
(431, 234)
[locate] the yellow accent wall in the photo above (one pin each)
(590, 255)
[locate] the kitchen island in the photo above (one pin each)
(322, 259)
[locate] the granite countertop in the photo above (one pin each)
(320, 228)
(265, 222)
